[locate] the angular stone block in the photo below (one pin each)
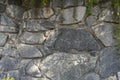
(108, 64)
(73, 15)
(32, 38)
(33, 70)
(72, 39)
(37, 25)
(7, 64)
(29, 51)
(63, 66)
(104, 32)
(107, 15)
(5, 20)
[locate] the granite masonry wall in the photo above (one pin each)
(58, 42)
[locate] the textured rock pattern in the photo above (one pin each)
(58, 42)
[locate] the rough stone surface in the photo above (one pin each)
(104, 31)
(5, 20)
(63, 66)
(14, 11)
(33, 70)
(71, 39)
(27, 51)
(69, 17)
(10, 50)
(32, 38)
(108, 63)
(37, 25)
(91, 20)
(107, 15)
(3, 39)
(7, 64)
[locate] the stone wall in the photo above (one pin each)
(58, 42)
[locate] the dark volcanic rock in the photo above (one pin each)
(71, 39)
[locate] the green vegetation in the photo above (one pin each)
(44, 2)
(8, 78)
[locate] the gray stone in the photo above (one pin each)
(37, 25)
(7, 64)
(104, 31)
(33, 70)
(29, 51)
(107, 15)
(68, 16)
(5, 20)
(73, 15)
(108, 63)
(79, 13)
(63, 66)
(91, 76)
(15, 12)
(32, 38)
(10, 50)
(95, 11)
(72, 39)
(118, 75)
(2, 8)
(3, 39)
(91, 20)
(48, 25)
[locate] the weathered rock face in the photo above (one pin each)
(80, 40)
(58, 42)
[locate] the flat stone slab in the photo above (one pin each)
(72, 39)
(29, 51)
(32, 38)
